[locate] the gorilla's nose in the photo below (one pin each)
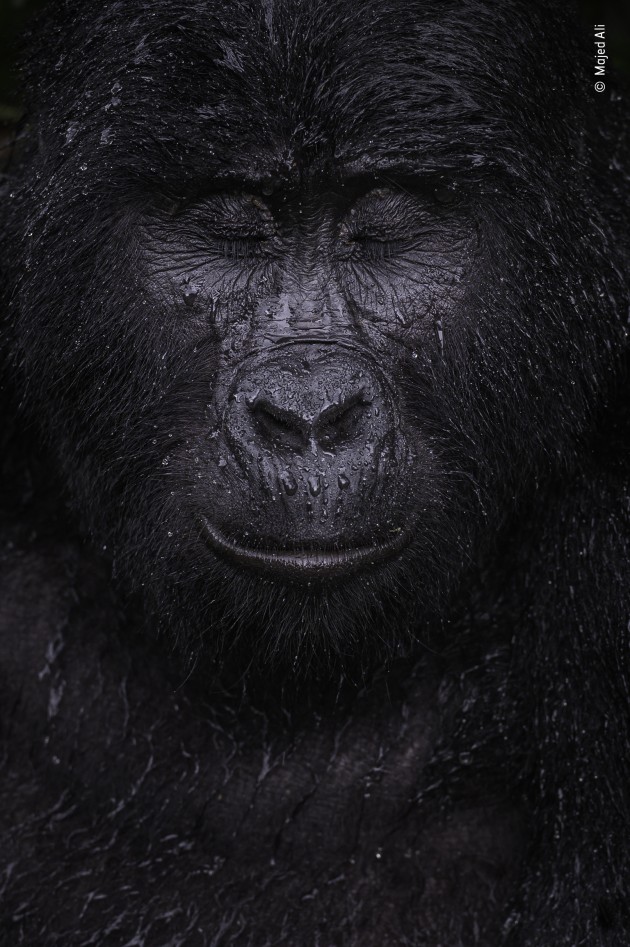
(292, 402)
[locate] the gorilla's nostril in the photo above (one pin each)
(338, 421)
(279, 423)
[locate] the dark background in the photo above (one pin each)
(15, 15)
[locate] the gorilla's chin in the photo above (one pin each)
(274, 617)
(306, 562)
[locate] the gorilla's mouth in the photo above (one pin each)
(305, 563)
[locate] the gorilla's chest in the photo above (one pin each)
(133, 814)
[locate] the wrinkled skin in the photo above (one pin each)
(315, 592)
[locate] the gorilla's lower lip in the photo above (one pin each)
(304, 563)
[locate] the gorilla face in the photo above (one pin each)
(310, 309)
(304, 462)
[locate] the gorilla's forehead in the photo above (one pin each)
(280, 85)
(321, 79)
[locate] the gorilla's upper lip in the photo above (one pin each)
(308, 562)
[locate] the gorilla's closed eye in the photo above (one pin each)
(233, 225)
(386, 222)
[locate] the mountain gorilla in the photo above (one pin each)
(316, 528)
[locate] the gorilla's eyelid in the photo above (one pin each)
(223, 205)
(187, 195)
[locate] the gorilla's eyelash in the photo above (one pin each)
(373, 250)
(240, 249)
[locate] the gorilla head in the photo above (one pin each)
(304, 298)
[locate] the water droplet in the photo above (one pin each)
(190, 294)
(251, 398)
(222, 462)
(439, 332)
(314, 486)
(288, 482)
(343, 481)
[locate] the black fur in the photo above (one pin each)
(321, 277)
